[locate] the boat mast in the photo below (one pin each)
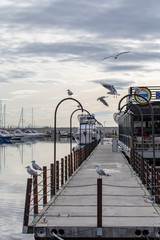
(4, 116)
(21, 119)
(0, 113)
(32, 118)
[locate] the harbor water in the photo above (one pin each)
(13, 178)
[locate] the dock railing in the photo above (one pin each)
(147, 177)
(147, 144)
(41, 189)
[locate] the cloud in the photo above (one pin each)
(118, 83)
(63, 42)
(20, 94)
(13, 74)
(123, 18)
(47, 81)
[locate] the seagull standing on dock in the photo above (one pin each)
(36, 166)
(101, 172)
(32, 172)
(115, 56)
(101, 99)
(70, 93)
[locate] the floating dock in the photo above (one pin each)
(128, 211)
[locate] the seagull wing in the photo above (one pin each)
(101, 98)
(114, 91)
(107, 57)
(104, 102)
(108, 86)
(31, 172)
(36, 166)
(100, 171)
(121, 53)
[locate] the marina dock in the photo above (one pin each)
(128, 211)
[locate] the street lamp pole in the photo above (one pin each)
(55, 117)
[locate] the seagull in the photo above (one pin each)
(111, 89)
(101, 99)
(32, 172)
(101, 172)
(116, 56)
(70, 93)
(35, 166)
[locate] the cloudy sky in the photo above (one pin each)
(49, 46)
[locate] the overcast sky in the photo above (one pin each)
(49, 46)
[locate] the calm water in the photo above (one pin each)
(13, 177)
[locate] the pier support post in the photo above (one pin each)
(99, 206)
(52, 180)
(27, 205)
(35, 194)
(57, 175)
(62, 172)
(44, 185)
(69, 165)
(66, 169)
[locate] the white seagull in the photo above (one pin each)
(70, 93)
(101, 99)
(32, 172)
(101, 172)
(36, 166)
(111, 89)
(115, 56)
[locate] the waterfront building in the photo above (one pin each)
(139, 122)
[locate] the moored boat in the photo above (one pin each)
(87, 131)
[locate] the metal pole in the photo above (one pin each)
(27, 205)
(35, 193)
(44, 185)
(62, 171)
(52, 180)
(99, 202)
(55, 118)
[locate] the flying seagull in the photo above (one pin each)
(70, 93)
(101, 172)
(35, 166)
(32, 172)
(101, 99)
(115, 56)
(111, 89)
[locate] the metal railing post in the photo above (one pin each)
(35, 194)
(52, 180)
(44, 185)
(27, 205)
(99, 202)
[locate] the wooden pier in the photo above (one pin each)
(128, 211)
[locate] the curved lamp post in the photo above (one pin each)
(153, 140)
(55, 117)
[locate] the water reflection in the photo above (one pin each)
(13, 177)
